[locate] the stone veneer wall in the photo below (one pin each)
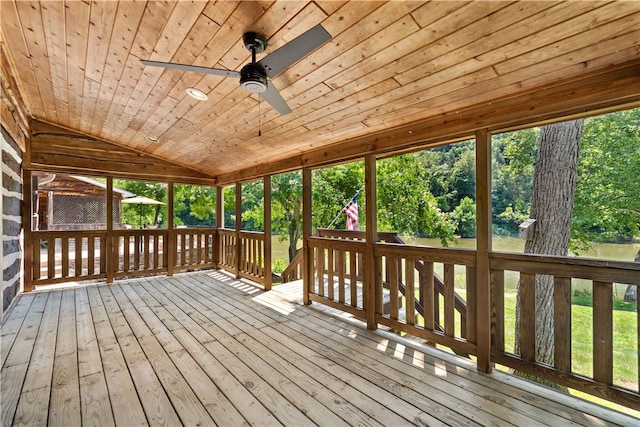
(11, 250)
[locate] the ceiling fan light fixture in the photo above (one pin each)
(196, 94)
(253, 78)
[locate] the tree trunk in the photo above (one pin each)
(551, 206)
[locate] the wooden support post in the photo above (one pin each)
(483, 239)
(219, 224)
(239, 248)
(267, 233)
(27, 223)
(110, 252)
(307, 265)
(171, 232)
(371, 238)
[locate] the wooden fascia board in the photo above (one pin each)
(599, 92)
(56, 149)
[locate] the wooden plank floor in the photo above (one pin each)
(205, 349)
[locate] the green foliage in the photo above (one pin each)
(405, 204)
(286, 207)
(513, 163)
(333, 188)
(465, 217)
(194, 205)
(278, 265)
(141, 215)
(607, 203)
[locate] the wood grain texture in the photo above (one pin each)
(203, 347)
(394, 76)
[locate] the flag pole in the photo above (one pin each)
(345, 206)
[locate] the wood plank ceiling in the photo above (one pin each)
(76, 64)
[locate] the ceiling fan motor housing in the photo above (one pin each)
(253, 78)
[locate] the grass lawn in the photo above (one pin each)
(625, 343)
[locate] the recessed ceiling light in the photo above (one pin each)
(152, 138)
(196, 94)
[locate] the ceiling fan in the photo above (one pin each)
(253, 76)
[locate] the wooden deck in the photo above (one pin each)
(205, 349)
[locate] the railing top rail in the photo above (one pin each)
(583, 268)
(341, 244)
(251, 233)
(356, 235)
(68, 233)
(447, 255)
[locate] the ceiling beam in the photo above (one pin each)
(54, 149)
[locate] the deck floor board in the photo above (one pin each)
(205, 349)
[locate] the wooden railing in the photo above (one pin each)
(195, 248)
(247, 260)
(252, 255)
(601, 276)
(62, 256)
(422, 304)
(337, 273)
(140, 252)
(294, 270)
(432, 293)
(409, 292)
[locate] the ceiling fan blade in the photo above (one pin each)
(273, 97)
(296, 49)
(195, 68)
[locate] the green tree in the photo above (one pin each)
(333, 187)
(513, 162)
(405, 204)
(143, 214)
(465, 217)
(194, 205)
(286, 208)
(607, 205)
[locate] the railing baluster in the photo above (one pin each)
(449, 299)
(528, 316)
(497, 315)
(103, 254)
(602, 332)
(51, 257)
(353, 281)
(127, 251)
(392, 277)
(429, 296)
(330, 263)
(65, 256)
(410, 295)
(340, 272)
(146, 257)
(36, 251)
(468, 318)
(156, 249)
(91, 260)
(562, 323)
(320, 270)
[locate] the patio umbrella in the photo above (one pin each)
(141, 200)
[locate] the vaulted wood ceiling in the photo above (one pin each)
(390, 66)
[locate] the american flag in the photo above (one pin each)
(351, 210)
